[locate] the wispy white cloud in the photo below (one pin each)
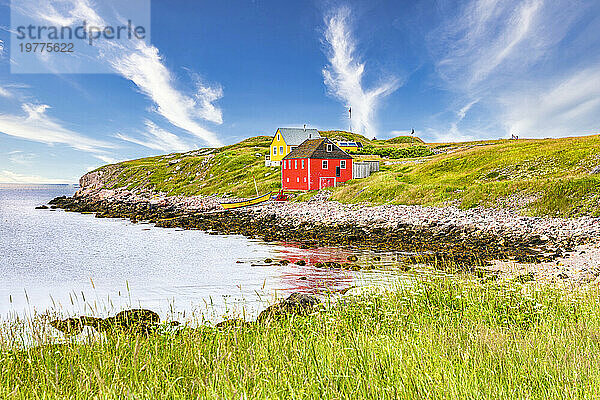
(462, 113)
(455, 131)
(37, 126)
(344, 74)
(157, 138)
(106, 158)
(509, 57)
(21, 158)
(1, 47)
(205, 97)
(486, 35)
(60, 13)
(144, 66)
(4, 92)
(7, 176)
(570, 106)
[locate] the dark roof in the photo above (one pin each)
(295, 136)
(317, 148)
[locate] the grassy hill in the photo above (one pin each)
(226, 170)
(344, 135)
(547, 177)
(402, 139)
(544, 177)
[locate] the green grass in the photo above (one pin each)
(345, 136)
(553, 174)
(540, 177)
(226, 170)
(435, 339)
(405, 139)
(395, 152)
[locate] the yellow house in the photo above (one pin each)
(349, 146)
(285, 140)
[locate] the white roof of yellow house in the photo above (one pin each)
(295, 136)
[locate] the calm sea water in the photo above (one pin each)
(75, 263)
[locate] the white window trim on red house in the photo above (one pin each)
(324, 165)
(327, 177)
(309, 174)
(342, 164)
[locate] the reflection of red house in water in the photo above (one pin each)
(315, 164)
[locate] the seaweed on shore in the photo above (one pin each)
(462, 247)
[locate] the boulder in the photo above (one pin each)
(295, 304)
(136, 321)
(232, 323)
(69, 326)
(328, 264)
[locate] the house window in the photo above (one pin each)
(295, 164)
(304, 179)
(297, 180)
(278, 137)
(302, 163)
(324, 164)
(329, 148)
(343, 164)
(274, 150)
(280, 149)
(288, 179)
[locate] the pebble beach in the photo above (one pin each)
(575, 240)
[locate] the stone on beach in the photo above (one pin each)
(436, 234)
(136, 321)
(295, 304)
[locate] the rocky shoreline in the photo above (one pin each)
(448, 237)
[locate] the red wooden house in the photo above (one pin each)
(315, 164)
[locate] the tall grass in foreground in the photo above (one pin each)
(436, 339)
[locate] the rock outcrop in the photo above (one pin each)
(135, 321)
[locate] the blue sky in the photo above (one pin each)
(217, 72)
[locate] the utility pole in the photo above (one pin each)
(350, 120)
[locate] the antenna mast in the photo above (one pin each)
(350, 119)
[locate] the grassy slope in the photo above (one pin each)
(553, 173)
(226, 170)
(432, 340)
(230, 169)
(398, 140)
